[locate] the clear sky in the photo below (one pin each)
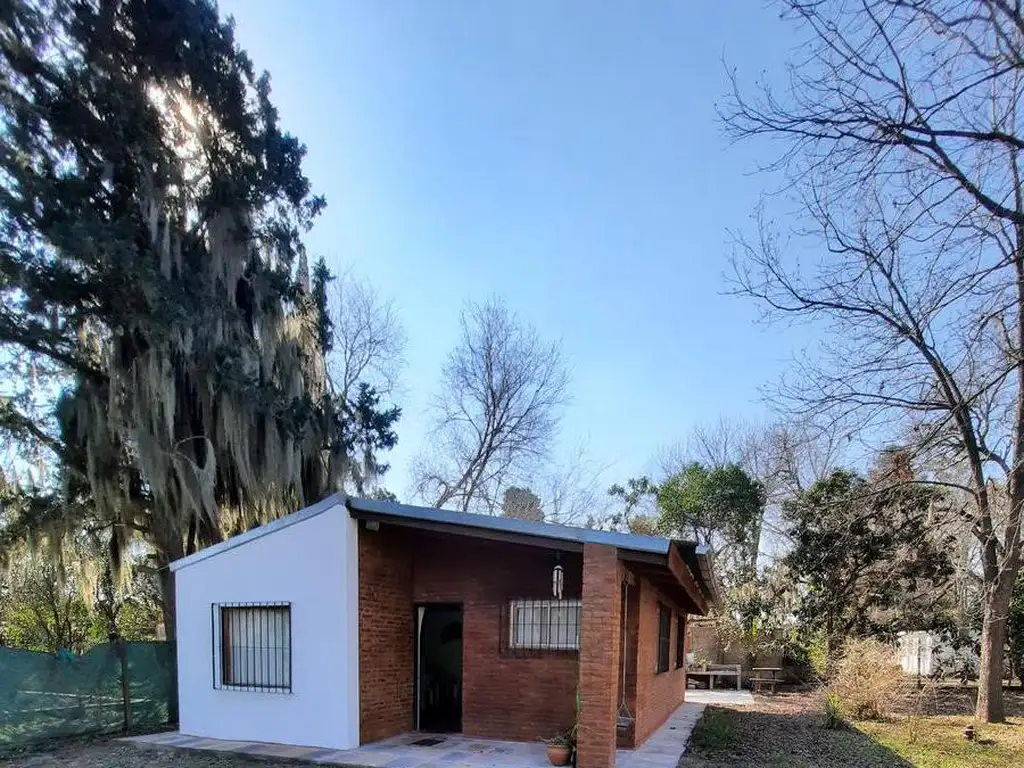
(563, 155)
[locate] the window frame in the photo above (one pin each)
(680, 640)
(664, 647)
(277, 619)
(547, 605)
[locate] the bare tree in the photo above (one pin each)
(365, 365)
(572, 490)
(902, 146)
(502, 391)
(369, 340)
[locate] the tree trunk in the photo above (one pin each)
(167, 603)
(993, 642)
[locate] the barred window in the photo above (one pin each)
(544, 624)
(664, 639)
(252, 646)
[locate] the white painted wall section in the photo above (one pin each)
(310, 561)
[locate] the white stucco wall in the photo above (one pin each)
(313, 565)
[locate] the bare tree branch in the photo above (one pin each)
(497, 412)
(900, 124)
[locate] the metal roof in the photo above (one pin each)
(697, 558)
(693, 554)
(630, 541)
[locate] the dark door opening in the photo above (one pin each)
(439, 668)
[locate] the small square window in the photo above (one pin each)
(664, 637)
(252, 646)
(544, 624)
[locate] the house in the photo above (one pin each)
(932, 654)
(354, 620)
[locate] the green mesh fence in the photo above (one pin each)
(44, 696)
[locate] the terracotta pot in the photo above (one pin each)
(558, 754)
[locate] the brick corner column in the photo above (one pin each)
(599, 656)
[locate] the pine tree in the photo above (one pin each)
(159, 326)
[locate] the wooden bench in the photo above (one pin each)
(711, 671)
(765, 678)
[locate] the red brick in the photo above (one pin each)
(386, 635)
(504, 696)
(657, 695)
(599, 656)
(508, 696)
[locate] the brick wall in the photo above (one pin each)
(521, 697)
(657, 695)
(386, 635)
(599, 656)
(505, 695)
(628, 645)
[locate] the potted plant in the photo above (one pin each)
(560, 748)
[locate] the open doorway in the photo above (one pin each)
(439, 668)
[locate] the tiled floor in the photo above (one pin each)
(662, 750)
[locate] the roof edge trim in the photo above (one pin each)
(334, 500)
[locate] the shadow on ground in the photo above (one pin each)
(783, 738)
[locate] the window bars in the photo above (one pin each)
(252, 646)
(541, 625)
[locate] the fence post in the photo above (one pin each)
(172, 703)
(126, 687)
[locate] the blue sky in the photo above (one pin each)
(565, 156)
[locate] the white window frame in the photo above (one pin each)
(546, 606)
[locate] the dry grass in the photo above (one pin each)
(868, 681)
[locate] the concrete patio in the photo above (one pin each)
(719, 696)
(425, 750)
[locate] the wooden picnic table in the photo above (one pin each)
(764, 677)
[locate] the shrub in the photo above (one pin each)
(868, 681)
(715, 730)
(816, 652)
(833, 711)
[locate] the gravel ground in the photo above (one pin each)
(787, 731)
(109, 753)
(781, 731)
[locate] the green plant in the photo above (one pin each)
(817, 651)
(564, 739)
(833, 711)
(715, 731)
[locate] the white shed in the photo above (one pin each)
(928, 654)
(280, 604)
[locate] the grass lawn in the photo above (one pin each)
(787, 731)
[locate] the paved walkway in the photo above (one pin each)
(717, 696)
(423, 750)
(665, 746)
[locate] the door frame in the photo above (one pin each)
(419, 610)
